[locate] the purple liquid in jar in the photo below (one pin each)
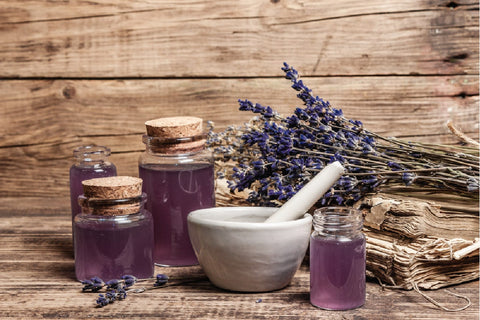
(173, 191)
(337, 272)
(110, 247)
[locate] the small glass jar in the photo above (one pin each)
(178, 177)
(90, 162)
(113, 238)
(337, 259)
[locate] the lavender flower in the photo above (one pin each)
(129, 280)
(121, 293)
(113, 284)
(117, 289)
(92, 285)
(161, 280)
(102, 300)
(275, 156)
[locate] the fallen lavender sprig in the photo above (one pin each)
(275, 156)
(117, 289)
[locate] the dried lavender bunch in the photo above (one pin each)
(117, 289)
(275, 156)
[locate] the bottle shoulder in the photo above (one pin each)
(202, 156)
(103, 165)
(143, 216)
(340, 237)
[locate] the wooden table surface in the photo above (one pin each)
(37, 281)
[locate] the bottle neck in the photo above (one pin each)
(338, 222)
(91, 155)
(174, 146)
(112, 207)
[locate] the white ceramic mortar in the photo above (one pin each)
(239, 252)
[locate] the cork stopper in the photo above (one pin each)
(174, 127)
(175, 134)
(102, 195)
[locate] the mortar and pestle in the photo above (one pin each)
(257, 249)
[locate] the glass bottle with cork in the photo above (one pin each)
(178, 176)
(114, 232)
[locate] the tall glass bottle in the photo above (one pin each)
(90, 162)
(337, 259)
(178, 177)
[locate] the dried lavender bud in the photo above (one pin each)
(92, 285)
(87, 285)
(113, 284)
(129, 280)
(102, 301)
(111, 295)
(121, 294)
(408, 178)
(161, 280)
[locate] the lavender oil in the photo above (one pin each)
(174, 191)
(337, 259)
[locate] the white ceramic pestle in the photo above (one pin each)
(304, 199)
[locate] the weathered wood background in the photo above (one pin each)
(76, 72)
(79, 72)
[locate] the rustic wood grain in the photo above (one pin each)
(44, 287)
(37, 280)
(78, 72)
(237, 38)
(42, 121)
(35, 111)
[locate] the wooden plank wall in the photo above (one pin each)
(78, 72)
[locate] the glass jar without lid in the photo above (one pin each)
(178, 177)
(337, 259)
(113, 238)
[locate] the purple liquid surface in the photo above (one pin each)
(78, 173)
(337, 273)
(172, 193)
(109, 249)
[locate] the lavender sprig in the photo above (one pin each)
(275, 156)
(117, 289)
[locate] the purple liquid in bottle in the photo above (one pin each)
(91, 162)
(174, 191)
(110, 247)
(337, 273)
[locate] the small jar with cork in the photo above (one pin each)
(178, 176)
(114, 232)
